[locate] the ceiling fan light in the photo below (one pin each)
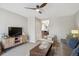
(37, 10)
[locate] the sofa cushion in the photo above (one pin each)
(73, 42)
(75, 51)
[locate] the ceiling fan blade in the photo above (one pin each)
(44, 4)
(30, 8)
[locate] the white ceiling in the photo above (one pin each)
(51, 9)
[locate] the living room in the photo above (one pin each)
(21, 25)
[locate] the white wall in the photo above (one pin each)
(61, 26)
(77, 19)
(38, 26)
(34, 29)
(8, 19)
(31, 29)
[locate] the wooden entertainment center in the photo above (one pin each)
(13, 41)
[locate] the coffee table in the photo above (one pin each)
(36, 51)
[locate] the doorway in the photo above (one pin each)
(44, 29)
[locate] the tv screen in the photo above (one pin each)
(14, 31)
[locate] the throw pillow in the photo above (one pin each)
(73, 42)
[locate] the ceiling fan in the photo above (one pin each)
(37, 7)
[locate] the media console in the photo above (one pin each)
(13, 41)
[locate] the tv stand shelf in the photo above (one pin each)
(12, 41)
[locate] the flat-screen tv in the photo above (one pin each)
(14, 31)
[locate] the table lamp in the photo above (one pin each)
(75, 33)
